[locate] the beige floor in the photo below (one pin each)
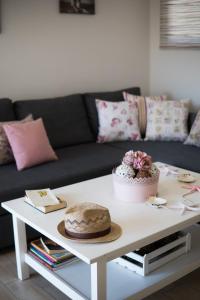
(37, 288)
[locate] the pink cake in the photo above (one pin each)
(136, 179)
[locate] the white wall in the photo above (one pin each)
(172, 71)
(44, 53)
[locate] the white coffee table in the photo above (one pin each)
(96, 276)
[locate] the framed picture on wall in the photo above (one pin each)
(0, 16)
(179, 23)
(86, 7)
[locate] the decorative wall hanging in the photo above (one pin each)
(77, 7)
(180, 23)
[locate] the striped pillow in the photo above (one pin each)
(141, 101)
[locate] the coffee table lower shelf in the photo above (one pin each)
(74, 279)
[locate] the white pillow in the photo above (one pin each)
(167, 120)
(118, 121)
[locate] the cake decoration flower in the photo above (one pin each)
(129, 158)
(142, 161)
(137, 160)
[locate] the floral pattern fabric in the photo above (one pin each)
(194, 136)
(141, 101)
(118, 121)
(167, 120)
(6, 155)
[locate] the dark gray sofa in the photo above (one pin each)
(72, 125)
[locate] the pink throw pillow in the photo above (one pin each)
(6, 155)
(29, 143)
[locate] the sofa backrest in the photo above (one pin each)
(65, 118)
(109, 96)
(6, 110)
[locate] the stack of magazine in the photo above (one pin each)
(50, 254)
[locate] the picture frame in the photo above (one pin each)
(180, 23)
(84, 7)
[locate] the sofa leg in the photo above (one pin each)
(20, 248)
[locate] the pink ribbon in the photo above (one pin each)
(192, 188)
(195, 188)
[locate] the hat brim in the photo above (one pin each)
(114, 234)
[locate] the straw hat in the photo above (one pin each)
(89, 223)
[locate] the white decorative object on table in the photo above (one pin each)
(157, 202)
(125, 171)
(168, 170)
(186, 177)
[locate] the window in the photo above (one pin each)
(180, 23)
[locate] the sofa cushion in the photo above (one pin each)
(141, 101)
(108, 96)
(118, 121)
(30, 144)
(6, 155)
(167, 120)
(76, 163)
(194, 135)
(6, 110)
(191, 118)
(174, 153)
(65, 118)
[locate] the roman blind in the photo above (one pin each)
(180, 23)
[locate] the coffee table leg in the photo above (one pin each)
(20, 248)
(98, 281)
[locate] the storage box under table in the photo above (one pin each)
(143, 264)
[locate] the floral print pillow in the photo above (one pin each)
(6, 155)
(141, 101)
(167, 120)
(194, 136)
(118, 121)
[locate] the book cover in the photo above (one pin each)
(40, 260)
(41, 198)
(51, 247)
(47, 209)
(54, 267)
(42, 257)
(55, 257)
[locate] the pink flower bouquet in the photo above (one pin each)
(137, 160)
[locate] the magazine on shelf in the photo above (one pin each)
(52, 261)
(55, 256)
(44, 200)
(51, 247)
(52, 267)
